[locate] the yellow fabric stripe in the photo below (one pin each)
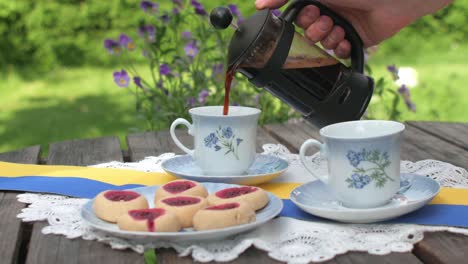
(451, 196)
(121, 177)
(280, 189)
(111, 176)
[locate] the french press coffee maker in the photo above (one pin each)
(271, 54)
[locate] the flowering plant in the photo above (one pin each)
(387, 96)
(186, 65)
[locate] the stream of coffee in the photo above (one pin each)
(227, 88)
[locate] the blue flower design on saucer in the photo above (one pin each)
(224, 138)
(376, 172)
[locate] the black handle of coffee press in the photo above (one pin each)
(357, 52)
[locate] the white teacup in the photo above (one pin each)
(363, 161)
(223, 145)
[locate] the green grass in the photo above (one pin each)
(85, 103)
(441, 93)
(65, 104)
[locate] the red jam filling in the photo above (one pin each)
(181, 201)
(147, 214)
(178, 186)
(121, 195)
(235, 191)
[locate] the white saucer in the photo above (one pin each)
(267, 213)
(315, 198)
(264, 169)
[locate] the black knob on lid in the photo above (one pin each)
(221, 17)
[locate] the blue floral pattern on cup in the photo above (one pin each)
(224, 138)
(376, 172)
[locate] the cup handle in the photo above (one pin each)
(302, 152)
(181, 121)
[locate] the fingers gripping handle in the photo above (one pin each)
(357, 52)
(181, 121)
(302, 155)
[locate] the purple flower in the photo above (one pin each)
(257, 99)
(191, 49)
(164, 69)
(121, 78)
(175, 11)
(394, 71)
(239, 140)
(160, 84)
(218, 69)
(405, 93)
(112, 46)
(191, 101)
(203, 95)
(276, 12)
(165, 18)
(235, 11)
(392, 68)
(186, 35)
(137, 81)
(199, 9)
(149, 6)
(147, 32)
(178, 3)
(126, 42)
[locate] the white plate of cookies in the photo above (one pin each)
(181, 210)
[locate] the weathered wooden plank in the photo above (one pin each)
(455, 133)
(442, 247)
(146, 144)
(293, 135)
(85, 152)
(58, 249)
(419, 145)
(11, 228)
(28, 155)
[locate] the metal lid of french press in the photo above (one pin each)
(246, 34)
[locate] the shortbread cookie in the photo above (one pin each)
(223, 215)
(183, 206)
(149, 220)
(109, 205)
(253, 196)
(180, 187)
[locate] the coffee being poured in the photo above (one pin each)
(268, 51)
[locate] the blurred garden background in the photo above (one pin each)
(58, 82)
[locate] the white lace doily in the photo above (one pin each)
(285, 239)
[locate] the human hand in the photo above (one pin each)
(374, 21)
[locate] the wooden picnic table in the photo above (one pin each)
(24, 243)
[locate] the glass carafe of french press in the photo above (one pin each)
(271, 54)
